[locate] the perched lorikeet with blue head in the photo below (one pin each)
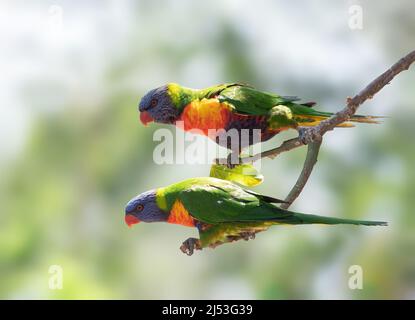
(221, 211)
(232, 106)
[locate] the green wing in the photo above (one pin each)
(247, 100)
(282, 110)
(214, 91)
(220, 202)
(212, 203)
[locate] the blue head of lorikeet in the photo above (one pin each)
(144, 208)
(157, 106)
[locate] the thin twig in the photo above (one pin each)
(343, 115)
(285, 146)
(310, 161)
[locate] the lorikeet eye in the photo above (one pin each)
(153, 102)
(140, 207)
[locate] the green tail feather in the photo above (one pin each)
(306, 111)
(301, 218)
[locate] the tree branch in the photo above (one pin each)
(367, 93)
(314, 135)
(285, 146)
(310, 161)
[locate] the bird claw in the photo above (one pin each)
(247, 235)
(190, 245)
(308, 135)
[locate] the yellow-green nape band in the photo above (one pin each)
(161, 199)
(174, 91)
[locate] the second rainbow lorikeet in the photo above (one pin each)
(232, 106)
(221, 211)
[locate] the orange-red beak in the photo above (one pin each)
(130, 220)
(145, 117)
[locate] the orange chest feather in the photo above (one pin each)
(179, 215)
(206, 114)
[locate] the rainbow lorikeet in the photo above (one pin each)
(232, 106)
(220, 210)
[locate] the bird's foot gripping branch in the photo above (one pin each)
(309, 135)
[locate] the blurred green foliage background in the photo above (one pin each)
(73, 151)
